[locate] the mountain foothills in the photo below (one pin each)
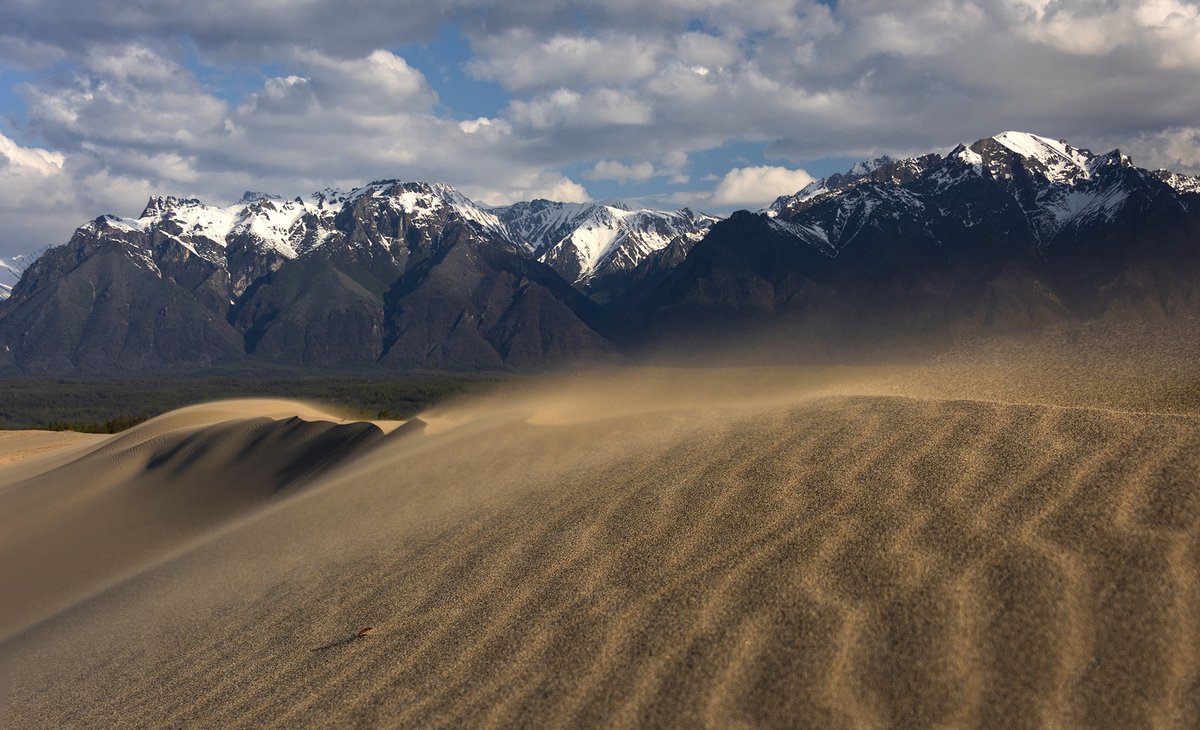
(1013, 232)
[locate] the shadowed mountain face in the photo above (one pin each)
(91, 306)
(407, 275)
(1012, 233)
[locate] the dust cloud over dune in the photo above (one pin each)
(940, 544)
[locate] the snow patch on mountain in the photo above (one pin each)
(291, 228)
(544, 223)
(1055, 185)
(813, 190)
(272, 222)
(424, 202)
(585, 240)
(1062, 163)
(1076, 205)
(811, 234)
(1182, 183)
(883, 171)
(10, 272)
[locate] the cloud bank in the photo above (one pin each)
(115, 100)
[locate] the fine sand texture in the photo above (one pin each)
(936, 546)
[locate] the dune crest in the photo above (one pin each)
(131, 498)
(656, 548)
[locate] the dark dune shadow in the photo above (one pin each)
(142, 497)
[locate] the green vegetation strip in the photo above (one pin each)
(109, 405)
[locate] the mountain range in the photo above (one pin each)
(1011, 232)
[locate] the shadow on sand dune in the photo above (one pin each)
(737, 547)
(149, 491)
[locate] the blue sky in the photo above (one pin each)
(713, 104)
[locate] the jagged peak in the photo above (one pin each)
(159, 204)
(864, 168)
(424, 200)
(1180, 182)
(251, 196)
(1033, 145)
(1113, 158)
(883, 170)
(1056, 160)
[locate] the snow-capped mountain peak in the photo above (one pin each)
(251, 196)
(882, 170)
(1058, 160)
(1056, 187)
(1182, 183)
(585, 240)
(423, 202)
(273, 223)
(289, 228)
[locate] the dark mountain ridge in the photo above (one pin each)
(1011, 233)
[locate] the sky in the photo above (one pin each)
(713, 104)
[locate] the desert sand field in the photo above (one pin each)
(927, 546)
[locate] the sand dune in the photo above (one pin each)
(772, 547)
(137, 496)
(17, 447)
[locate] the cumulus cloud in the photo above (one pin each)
(756, 186)
(1173, 149)
(594, 108)
(520, 60)
(130, 97)
(331, 121)
(28, 161)
(531, 187)
(621, 172)
(34, 187)
(1167, 30)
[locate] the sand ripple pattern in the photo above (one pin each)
(844, 562)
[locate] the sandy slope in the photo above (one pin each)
(777, 547)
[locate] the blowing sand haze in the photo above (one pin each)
(753, 547)
(610, 363)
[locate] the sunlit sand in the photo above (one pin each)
(947, 544)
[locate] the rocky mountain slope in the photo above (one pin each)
(1009, 233)
(588, 241)
(403, 274)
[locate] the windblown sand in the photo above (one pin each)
(722, 548)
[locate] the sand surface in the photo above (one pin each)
(20, 446)
(931, 546)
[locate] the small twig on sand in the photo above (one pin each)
(353, 637)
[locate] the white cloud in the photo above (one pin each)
(628, 90)
(758, 185)
(380, 81)
(37, 194)
(28, 161)
(520, 60)
(561, 188)
(1168, 30)
(132, 97)
(331, 121)
(1174, 149)
(620, 171)
(568, 108)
